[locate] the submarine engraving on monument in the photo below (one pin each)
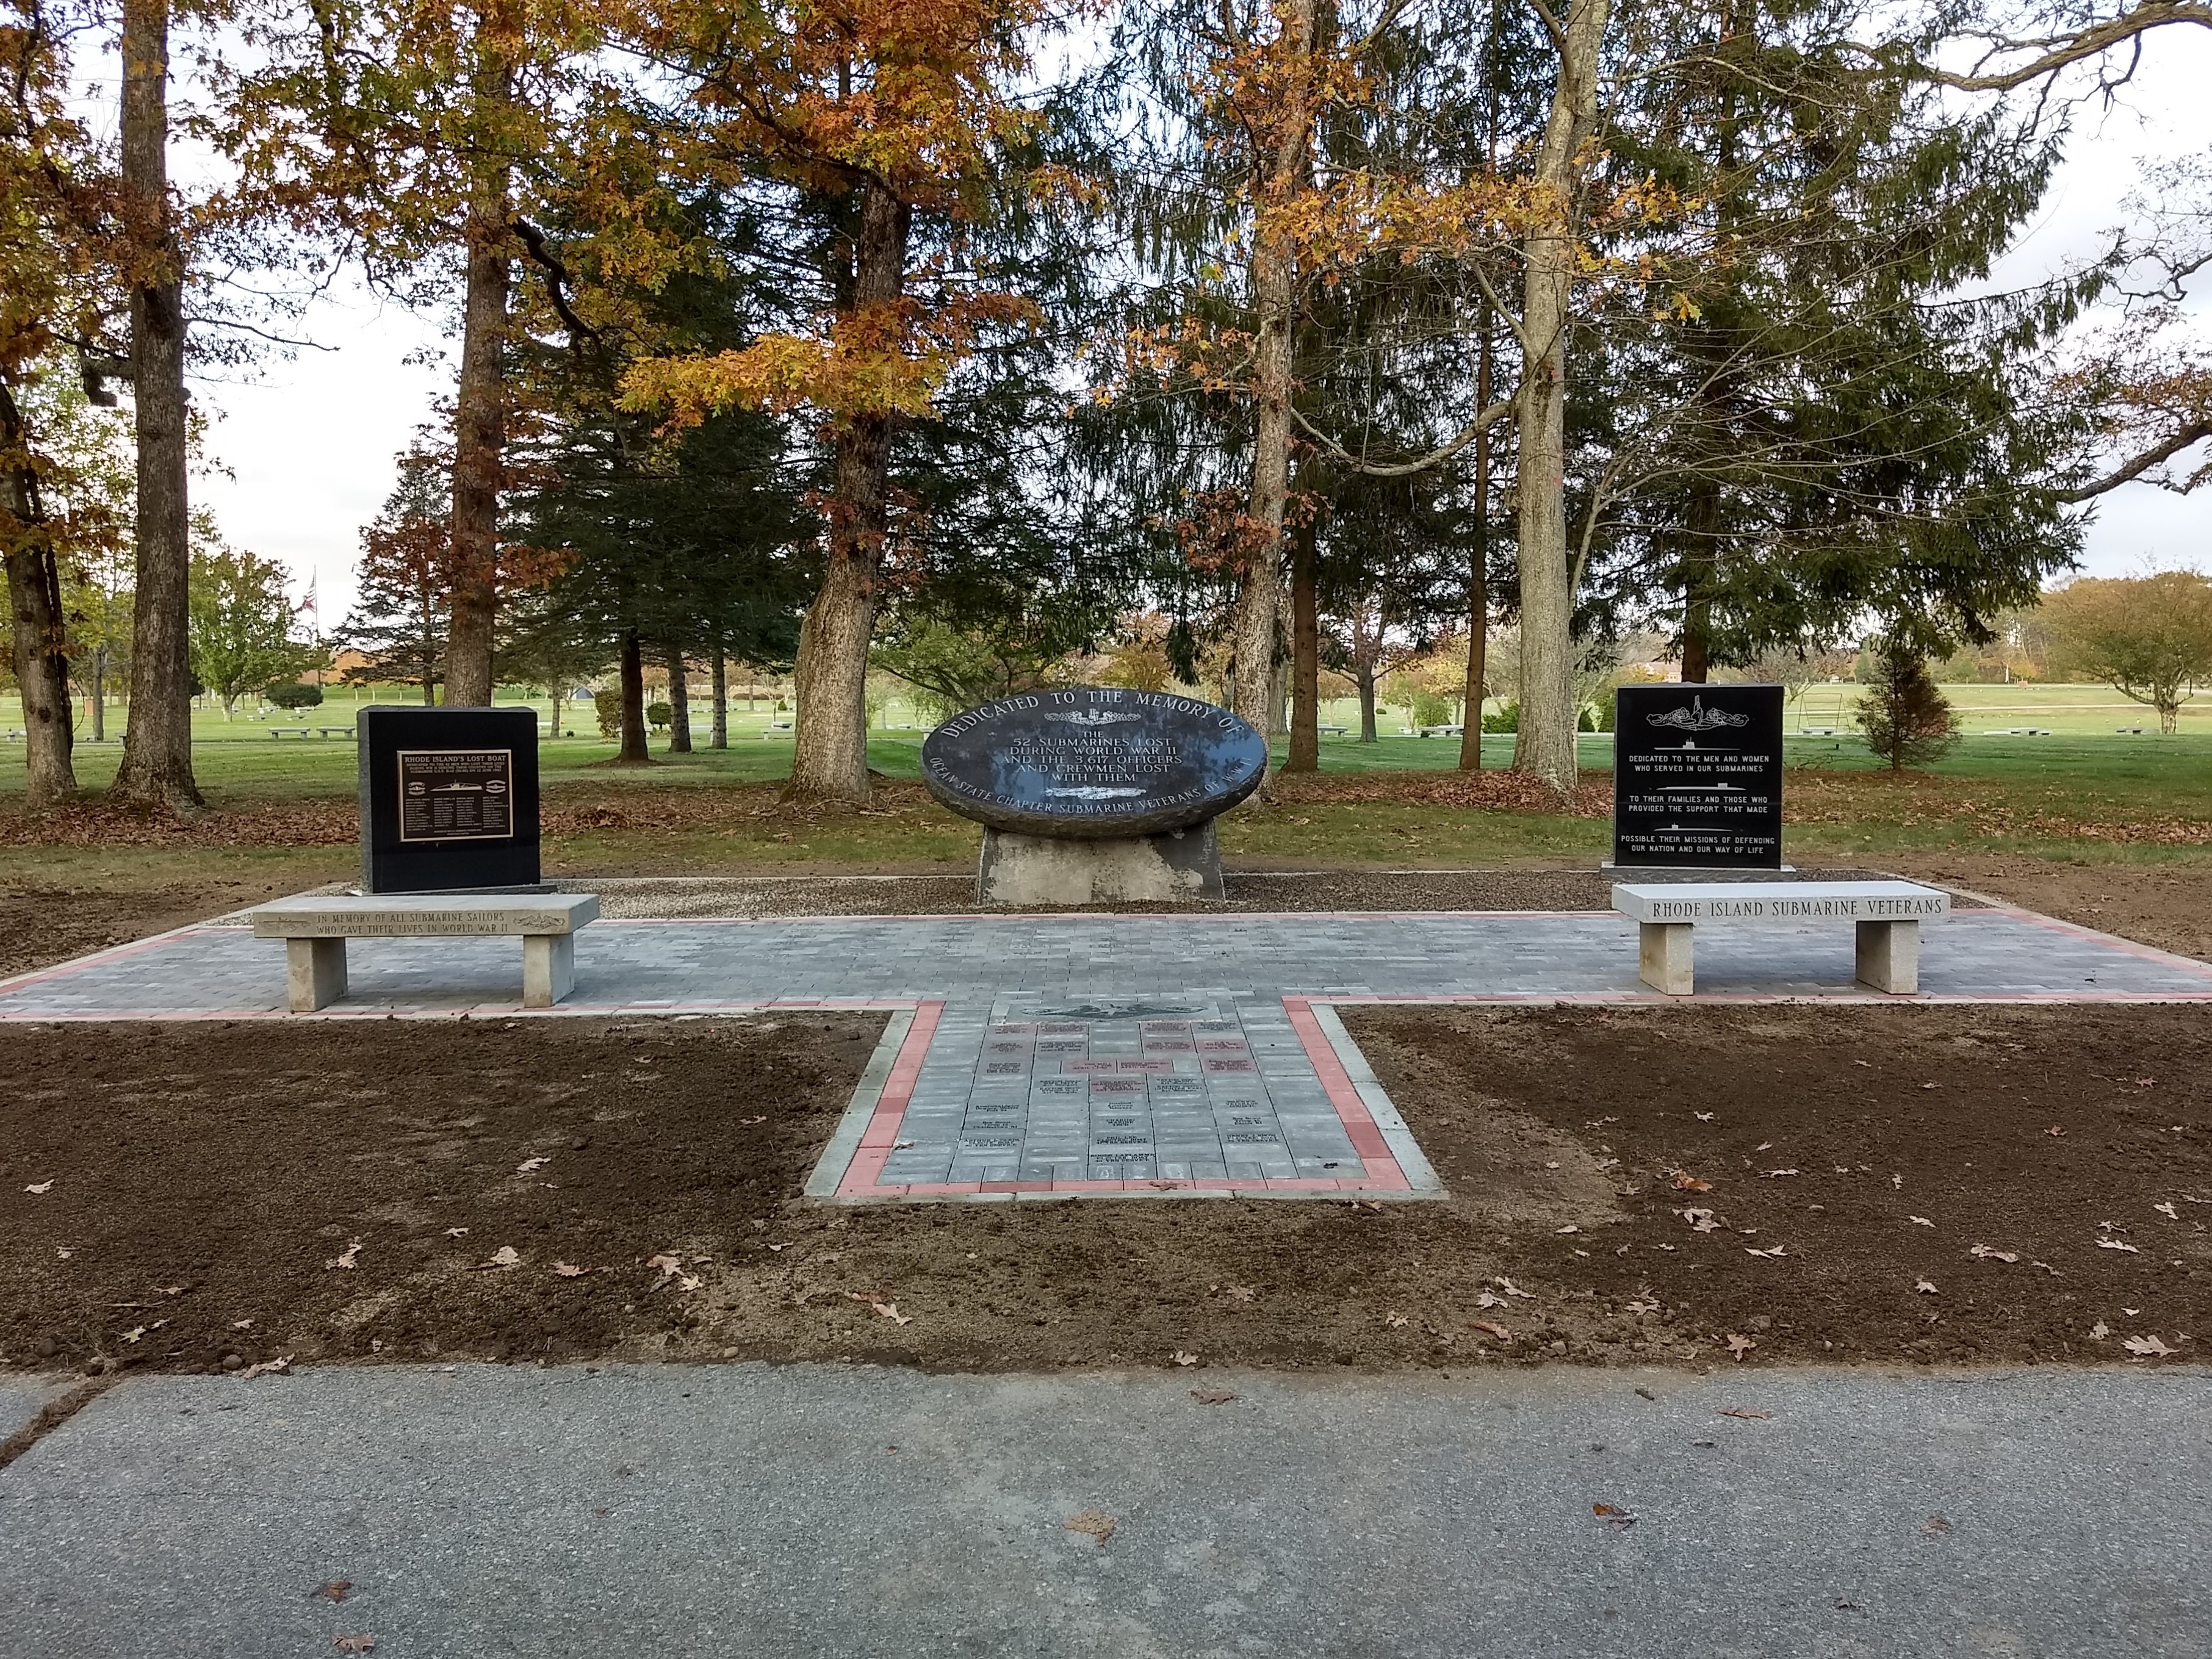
(1141, 775)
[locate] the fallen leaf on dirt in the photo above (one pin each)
(2167, 1210)
(2054, 1130)
(1985, 1253)
(353, 1643)
(529, 1165)
(749, 1122)
(2117, 1244)
(1242, 1292)
(2145, 1083)
(1569, 1228)
(1738, 1411)
(1776, 1251)
(669, 1264)
(1739, 1346)
(1095, 1522)
(1491, 1299)
(135, 1335)
(2099, 1331)
(1897, 1181)
(784, 1246)
(1644, 1304)
(1181, 1356)
(1703, 1117)
(348, 1258)
(42, 1186)
(1512, 1289)
(457, 1232)
(1702, 1221)
(1211, 1396)
(505, 1256)
(1686, 1183)
(1784, 1172)
(1934, 1526)
(568, 1270)
(692, 1281)
(1926, 1286)
(2146, 1348)
(1491, 1329)
(337, 1589)
(266, 1368)
(1920, 1221)
(1612, 1516)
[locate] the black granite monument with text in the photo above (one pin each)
(1093, 792)
(1697, 777)
(448, 799)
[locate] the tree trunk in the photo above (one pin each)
(480, 416)
(157, 749)
(1255, 623)
(429, 690)
(721, 738)
(39, 632)
(679, 703)
(829, 751)
(1367, 733)
(1544, 746)
(100, 694)
(633, 750)
(1477, 575)
(560, 696)
(1305, 659)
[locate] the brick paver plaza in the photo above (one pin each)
(1042, 1056)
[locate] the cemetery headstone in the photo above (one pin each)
(448, 799)
(1697, 777)
(1095, 793)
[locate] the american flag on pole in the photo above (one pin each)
(309, 605)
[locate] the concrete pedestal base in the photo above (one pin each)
(1047, 870)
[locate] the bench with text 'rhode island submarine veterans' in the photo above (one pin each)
(315, 932)
(1887, 915)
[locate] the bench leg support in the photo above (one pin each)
(1889, 956)
(1664, 958)
(548, 968)
(314, 973)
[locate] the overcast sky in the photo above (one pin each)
(309, 442)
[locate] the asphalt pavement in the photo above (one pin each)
(745, 1510)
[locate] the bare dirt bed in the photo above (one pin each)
(191, 1196)
(43, 925)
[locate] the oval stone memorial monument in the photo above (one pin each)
(1094, 793)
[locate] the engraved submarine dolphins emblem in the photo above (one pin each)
(1091, 717)
(1698, 718)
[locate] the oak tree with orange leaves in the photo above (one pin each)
(895, 119)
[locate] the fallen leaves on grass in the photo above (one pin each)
(1096, 1524)
(1211, 1396)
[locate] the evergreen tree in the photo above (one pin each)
(1907, 720)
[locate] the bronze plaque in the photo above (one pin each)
(456, 794)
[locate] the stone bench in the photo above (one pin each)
(1887, 915)
(288, 730)
(315, 932)
(334, 731)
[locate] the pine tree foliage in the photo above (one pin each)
(1907, 720)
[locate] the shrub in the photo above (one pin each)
(1507, 719)
(658, 716)
(294, 695)
(1907, 720)
(608, 706)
